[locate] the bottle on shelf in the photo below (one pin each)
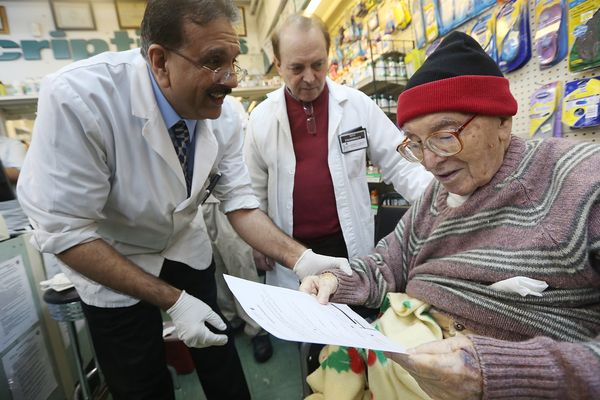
(374, 197)
(391, 69)
(383, 102)
(401, 70)
(392, 104)
(380, 69)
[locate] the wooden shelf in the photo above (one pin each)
(370, 86)
(18, 107)
(25, 106)
(254, 92)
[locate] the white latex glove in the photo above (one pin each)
(189, 315)
(311, 263)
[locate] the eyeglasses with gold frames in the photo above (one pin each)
(444, 143)
(220, 74)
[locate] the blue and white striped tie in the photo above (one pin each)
(181, 139)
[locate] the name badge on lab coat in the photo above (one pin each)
(353, 140)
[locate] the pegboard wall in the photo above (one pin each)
(530, 77)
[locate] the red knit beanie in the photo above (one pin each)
(458, 76)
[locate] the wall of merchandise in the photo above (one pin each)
(374, 20)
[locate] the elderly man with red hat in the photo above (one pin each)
(501, 210)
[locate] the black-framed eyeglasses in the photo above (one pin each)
(220, 74)
(311, 122)
(443, 143)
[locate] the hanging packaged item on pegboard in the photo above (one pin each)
(417, 23)
(545, 111)
(483, 32)
(581, 101)
(512, 35)
(584, 34)
(551, 32)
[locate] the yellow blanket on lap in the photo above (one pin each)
(344, 370)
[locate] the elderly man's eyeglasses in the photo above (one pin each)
(220, 74)
(444, 143)
(311, 122)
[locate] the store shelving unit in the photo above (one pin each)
(25, 106)
(371, 86)
(253, 93)
(16, 107)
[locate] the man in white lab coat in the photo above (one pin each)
(306, 149)
(124, 150)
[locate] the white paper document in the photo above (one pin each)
(28, 369)
(297, 316)
(17, 309)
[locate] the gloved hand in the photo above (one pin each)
(311, 263)
(189, 315)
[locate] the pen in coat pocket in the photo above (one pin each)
(211, 185)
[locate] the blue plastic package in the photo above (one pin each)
(512, 35)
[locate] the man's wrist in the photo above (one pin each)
(292, 259)
(170, 297)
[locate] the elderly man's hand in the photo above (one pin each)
(445, 369)
(322, 286)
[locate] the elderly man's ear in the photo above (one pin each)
(505, 128)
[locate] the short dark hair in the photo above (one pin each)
(163, 19)
(303, 23)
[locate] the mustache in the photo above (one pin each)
(219, 89)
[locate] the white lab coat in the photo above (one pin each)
(102, 165)
(269, 154)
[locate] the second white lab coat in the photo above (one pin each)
(269, 154)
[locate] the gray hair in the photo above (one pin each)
(304, 24)
(164, 19)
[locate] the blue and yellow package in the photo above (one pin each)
(418, 26)
(581, 101)
(512, 35)
(430, 20)
(483, 32)
(544, 111)
(445, 13)
(453, 13)
(394, 14)
(402, 14)
(584, 34)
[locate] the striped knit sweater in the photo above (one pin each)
(538, 217)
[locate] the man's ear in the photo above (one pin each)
(278, 65)
(505, 128)
(158, 60)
